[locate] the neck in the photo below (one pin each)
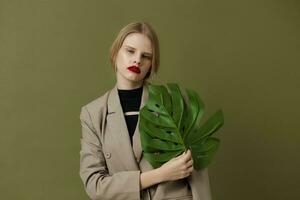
(129, 85)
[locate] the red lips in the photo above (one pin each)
(134, 69)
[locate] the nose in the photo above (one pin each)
(137, 60)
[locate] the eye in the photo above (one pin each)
(147, 57)
(130, 51)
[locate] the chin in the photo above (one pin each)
(129, 76)
(135, 78)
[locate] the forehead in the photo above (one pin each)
(138, 41)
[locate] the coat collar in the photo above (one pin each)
(130, 155)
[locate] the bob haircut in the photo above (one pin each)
(137, 27)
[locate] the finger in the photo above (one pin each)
(185, 174)
(189, 152)
(191, 169)
(187, 156)
(177, 157)
(190, 163)
(181, 155)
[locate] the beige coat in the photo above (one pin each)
(110, 167)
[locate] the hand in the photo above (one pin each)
(178, 167)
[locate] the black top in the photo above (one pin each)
(131, 101)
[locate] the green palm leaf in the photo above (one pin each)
(169, 125)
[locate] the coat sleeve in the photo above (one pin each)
(200, 186)
(98, 183)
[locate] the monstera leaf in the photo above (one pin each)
(170, 124)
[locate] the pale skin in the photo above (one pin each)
(137, 50)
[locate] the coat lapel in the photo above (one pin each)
(137, 148)
(129, 155)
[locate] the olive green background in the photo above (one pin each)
(241, 56)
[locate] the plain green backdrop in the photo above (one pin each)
(239, 55)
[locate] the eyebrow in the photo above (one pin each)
(143, 52)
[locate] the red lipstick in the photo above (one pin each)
(134, 69)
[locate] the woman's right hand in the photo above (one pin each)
(178, 167)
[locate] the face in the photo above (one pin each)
(133, 61)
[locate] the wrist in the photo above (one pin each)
(160, 174)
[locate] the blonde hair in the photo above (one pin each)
(137, 27)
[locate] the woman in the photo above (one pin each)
(111, 161)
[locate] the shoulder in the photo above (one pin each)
(97, 103)
(96, 107)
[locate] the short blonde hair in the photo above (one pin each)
(137, 27)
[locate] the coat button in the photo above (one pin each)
(107, 155)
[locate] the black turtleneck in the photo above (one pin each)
(131, 101)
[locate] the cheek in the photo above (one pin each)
(148, 67)
(124, 58)
(120, 60)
